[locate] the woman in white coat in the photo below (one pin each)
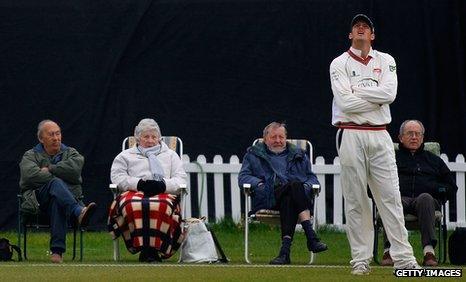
(147, 211)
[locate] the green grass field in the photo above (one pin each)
(98, 263)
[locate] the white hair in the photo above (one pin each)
(273, 125)
(40, 127)
(403, 125)
(145, 125)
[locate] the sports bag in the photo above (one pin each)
(200, 244)
(6, 250)
(457, 246)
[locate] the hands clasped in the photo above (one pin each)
(151, 187)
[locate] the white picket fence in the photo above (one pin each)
(216, 207)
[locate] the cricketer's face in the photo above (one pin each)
(361, 31)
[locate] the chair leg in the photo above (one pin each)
(19, 230)
(116, 250)
(445, 233)
(81, 234)
(375, 251)
(246, 228)
(74, 242)
(312, 257)
(24, 242)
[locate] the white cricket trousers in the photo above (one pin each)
(367, 158)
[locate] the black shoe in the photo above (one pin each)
(153, 258)
(316, 246)
(142, 256)
(281, 259)
(149, 256)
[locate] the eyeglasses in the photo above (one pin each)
(414, 134)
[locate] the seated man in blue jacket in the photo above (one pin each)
(425, 182)
(281, 179)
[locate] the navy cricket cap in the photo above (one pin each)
(363, 18)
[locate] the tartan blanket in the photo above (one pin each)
(149, 222)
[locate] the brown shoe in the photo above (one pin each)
(56, 258)
(386, 259)
(86, 213)
(429, 260)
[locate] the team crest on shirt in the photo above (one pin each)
(377, 70)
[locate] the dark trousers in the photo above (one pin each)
(58, 202)
(291, 201)
(424, 207)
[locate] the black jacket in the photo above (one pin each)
(424, 172)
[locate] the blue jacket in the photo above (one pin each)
(256, 168)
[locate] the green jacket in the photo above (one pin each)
(66, 165)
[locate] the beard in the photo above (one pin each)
(277, 150)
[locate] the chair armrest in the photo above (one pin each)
(443, 193)
(316, 189)
(114, 189)
(183, 188)
(247, 189)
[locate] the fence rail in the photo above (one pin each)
(221, 179)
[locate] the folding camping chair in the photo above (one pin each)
(174, 143)
(41, 220)
(411, 221)
(272, 217)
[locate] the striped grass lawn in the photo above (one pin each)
(98, 263)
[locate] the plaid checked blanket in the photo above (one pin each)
(149, 222)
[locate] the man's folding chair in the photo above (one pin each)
(41, 220)
(411, 221)
(174, 143)
(272, 217)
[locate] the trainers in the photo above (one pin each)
(430, 260)
(56, 258)
(281, 259)
(410, 265)
(86, 213)
(386, 260)
(316, 246)
(361, 269)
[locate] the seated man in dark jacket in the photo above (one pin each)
(425, 182)
(281, 177)
(51, 181)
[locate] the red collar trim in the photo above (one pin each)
(359, 59)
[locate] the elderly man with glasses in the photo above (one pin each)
(425, 181)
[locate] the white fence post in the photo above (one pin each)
(321, 206)
(202, 188)
(460, 167)
(337, 197)
(218, 186)
(235, 192)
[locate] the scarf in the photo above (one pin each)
(154, 164)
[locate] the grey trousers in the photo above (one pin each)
(424, 207)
